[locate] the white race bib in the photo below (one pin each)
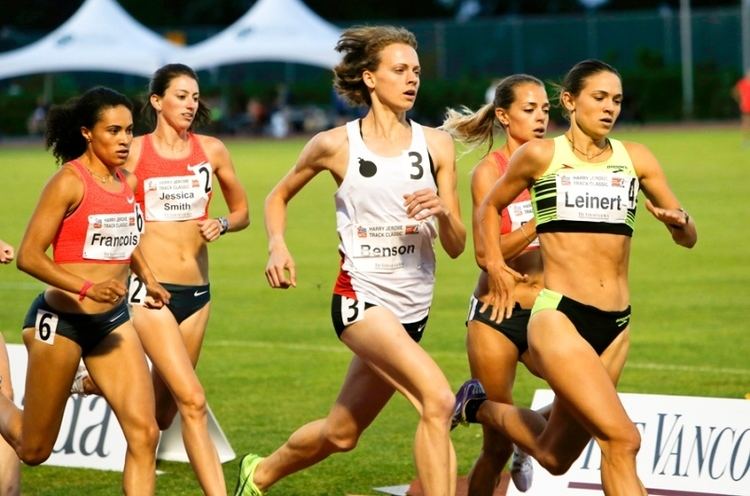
(520, 213)
(136, 291)
(603, 197)
(387, 247)
(111, 236)
(177, 198)
(46, 326)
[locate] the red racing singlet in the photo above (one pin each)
(105, 227)
(173, 189)
(520, 210)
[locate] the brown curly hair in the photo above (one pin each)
(361, 46)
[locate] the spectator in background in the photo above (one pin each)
(36, 123)
(741, 93)
(256, 115)
(280, 112)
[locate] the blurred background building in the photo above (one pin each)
(679, 58)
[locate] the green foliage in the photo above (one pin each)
(271, 360)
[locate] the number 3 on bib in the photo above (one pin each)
(351, 310)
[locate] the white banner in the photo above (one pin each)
(90, 436)
(690, 446)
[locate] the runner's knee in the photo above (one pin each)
(556, 463)
(193, 405)
(142, 435)
(341, 436)
(35, 454)
(625, 442)
(438, 405)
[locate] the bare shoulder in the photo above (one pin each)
(330, 141)
(212, 146)
(486, 169)
(440, 146)
(437, 136)
(437, 139)
(67, 172)
(325, 149)
(642, 158)
(483, 176)
(66, 183)
(637, 150)
(538, 148)
(533, 157)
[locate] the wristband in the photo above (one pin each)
(84, 289)
(224, 223)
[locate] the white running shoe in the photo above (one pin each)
(81, 374)
(521, 469)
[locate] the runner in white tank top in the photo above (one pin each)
(387, 258)
(390, 207)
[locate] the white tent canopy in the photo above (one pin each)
(100, 36)
(272, 30)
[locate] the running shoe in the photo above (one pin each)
(521, 469)
(245, 484)
(77, 386)
(469, 391)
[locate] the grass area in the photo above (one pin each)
(271, 360)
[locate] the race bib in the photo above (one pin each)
(604, 197)
(112, 236)
(136, 291)
(520, 213)
(177, 198)
(46, 326)
(351, 311)
(383, 248)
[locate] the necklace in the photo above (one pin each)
(606, 147)
(103, 179)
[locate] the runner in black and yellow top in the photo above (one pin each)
(584, 187)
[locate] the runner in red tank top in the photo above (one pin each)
(521, 109)
(175, 170)
(87, 213)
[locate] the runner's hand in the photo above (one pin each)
(280, 262)
(107, 291)
(156, 295)
(502, 282)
